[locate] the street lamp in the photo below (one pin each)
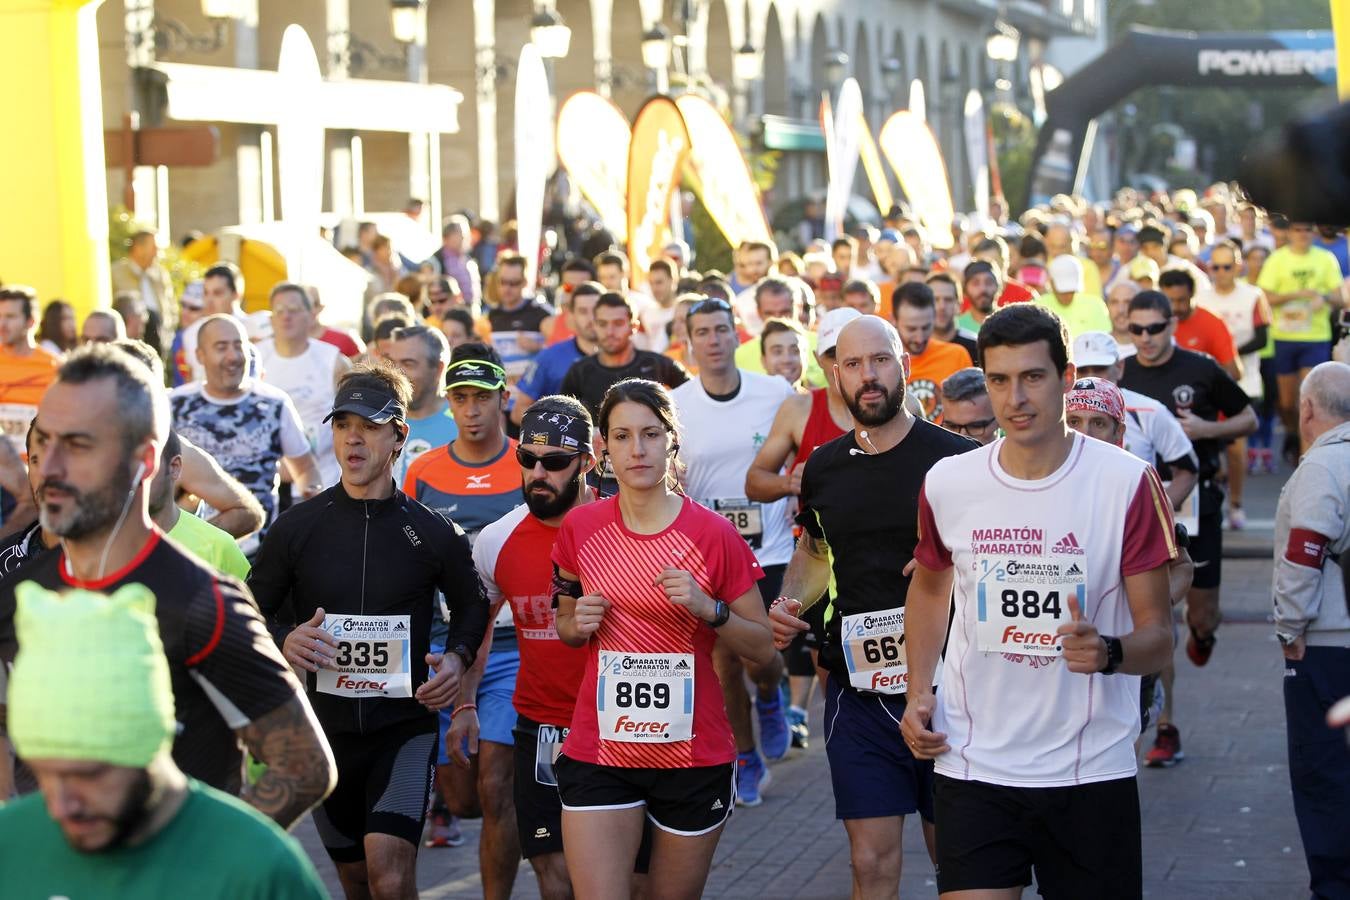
(1001, 44)
(747, 64)
(550, 34)
(835, 67)
(656, 47)
(220, 9)
(403, 15)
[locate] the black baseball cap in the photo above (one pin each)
(368, 402)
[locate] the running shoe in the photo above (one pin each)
(752, 776)
(1166, 749)
(773, 728)
(801, 732)
(1268, 461)
(1237, 519)
(1198, 649)
(1253, 460)
(444, 831)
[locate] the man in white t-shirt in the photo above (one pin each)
(247, 426)
(1059, 547)
(1245, 310)
(306, 369)
(725, 416)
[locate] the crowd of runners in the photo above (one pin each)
(575, 558)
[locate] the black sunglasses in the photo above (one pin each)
(710, 305)
(1221, 267)
(1155, 329)
(554, 462)
(970, 429)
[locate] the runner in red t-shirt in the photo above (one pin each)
(512, 556)
(1199, 329)
(647, 581)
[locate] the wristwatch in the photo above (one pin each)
(721, 613)
(1115, 654)
(465, 654)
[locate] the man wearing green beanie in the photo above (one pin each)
(116, 817)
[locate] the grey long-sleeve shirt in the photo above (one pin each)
(1312, 530)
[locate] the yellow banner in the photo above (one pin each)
(592, 141)
(1340, 28)
(656, 156)
(728, 191)
(913, 153)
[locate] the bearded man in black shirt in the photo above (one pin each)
(591, 376)
(1197, 391)
(97, 444)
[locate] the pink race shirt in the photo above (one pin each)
(650, 697)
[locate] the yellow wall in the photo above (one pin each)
(54, 235)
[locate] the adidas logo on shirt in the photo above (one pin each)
(717, 804)
(1068, 546)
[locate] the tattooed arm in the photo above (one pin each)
(300, 767)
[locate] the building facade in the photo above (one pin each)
(472, 46)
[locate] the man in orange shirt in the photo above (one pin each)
(1199, 329)
(930, 360)
(25, 368)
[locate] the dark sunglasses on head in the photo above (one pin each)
(710, 305)
(553, 462)
(1155, 329)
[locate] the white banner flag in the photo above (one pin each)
(534, 156)
(977, 151)
(841, 145)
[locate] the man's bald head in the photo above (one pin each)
(205, 332)
(871, 369)
(1058, 241)
(1328, 388)
(865, 333)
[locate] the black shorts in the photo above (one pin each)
(815, 617)
(535, 788)
(384, 783)
(1206, 549)
(1080, 841)
(538, 803)
(687, 802)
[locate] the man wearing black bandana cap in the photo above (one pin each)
(513, 557)
(348, 583)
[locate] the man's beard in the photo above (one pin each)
(553, 503)
(983, 303)
(890, 407)
(132, 815)
(88, 513)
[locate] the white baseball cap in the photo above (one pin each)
(831, 324)
(1095, 348)
(1066, 274)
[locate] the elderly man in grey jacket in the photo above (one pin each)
(1312, 531)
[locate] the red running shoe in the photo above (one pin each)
(1198, 649)
(1166, 749)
